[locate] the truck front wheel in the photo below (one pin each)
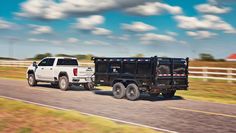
(132, 92)
(169, 94)
(118, 90)
(31, 80)
(63, 83)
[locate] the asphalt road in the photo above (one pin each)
(178, 114)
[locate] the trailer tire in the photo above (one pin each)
(132, 92)
(63, 83)
(118, 90)
(169, 95)
(31, 80)
(89, 86)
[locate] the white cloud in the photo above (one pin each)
(41, 9)
(101, 31)
(54, 9)
(72, 40)
(6, 24)
(154, 8)
(201, 34)
(124, 37)
(90, 22)
(148, 37)
(39, 29)
(212, 9)
(138, 27)
(38, 40)
(172, 33)
(207, 22)
(96, 42)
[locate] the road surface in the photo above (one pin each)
(177, 115)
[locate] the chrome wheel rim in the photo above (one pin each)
(31, 80)
(63, 83)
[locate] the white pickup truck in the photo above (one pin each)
(61, 72)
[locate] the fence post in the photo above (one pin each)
(205, 74)
(230, 75)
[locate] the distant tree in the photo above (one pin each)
(206, 57)
(41, 56)
(84, 57)
(64, 55)
(139, 55)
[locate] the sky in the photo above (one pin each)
(173, 28)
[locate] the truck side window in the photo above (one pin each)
(129, 68)
(50, 62)
(43, 62)
(115, 67)
(102, 67)
(144, 68)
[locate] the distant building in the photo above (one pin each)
(232, 57)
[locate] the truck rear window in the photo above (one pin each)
(68, 62)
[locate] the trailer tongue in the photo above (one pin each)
(131, 76)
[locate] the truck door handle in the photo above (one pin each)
(42, 68)
(50, 68)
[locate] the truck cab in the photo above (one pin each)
(132, 76)
(61, 72)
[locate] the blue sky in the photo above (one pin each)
(174, 28)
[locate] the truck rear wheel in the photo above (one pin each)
(31, 80)
(89, 86)
(63, 83)
(132, 92)
(168, 95)
(118, 90)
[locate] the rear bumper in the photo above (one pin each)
(77, 80)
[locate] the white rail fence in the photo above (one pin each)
(204, 73)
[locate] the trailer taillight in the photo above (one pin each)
(75, 71)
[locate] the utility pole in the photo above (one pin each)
(12, 40)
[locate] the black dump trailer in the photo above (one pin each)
(131, 76)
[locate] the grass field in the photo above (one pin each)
(19, 117)
(213, 90)
(213, 64)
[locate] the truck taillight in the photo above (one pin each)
(75, 71)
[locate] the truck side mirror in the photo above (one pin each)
(35, 64)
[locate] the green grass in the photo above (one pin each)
(26, 118)
(212, 90)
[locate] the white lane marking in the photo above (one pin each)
(113, 119)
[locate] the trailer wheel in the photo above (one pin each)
(118, 90)
(63, 83)
(132, 92)
(168, 95)
(89, 86)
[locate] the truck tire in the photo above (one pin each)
(31, 80)
(168, 95)
(89, 86)
(132, 92)
(63, 83)
(118, 90)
